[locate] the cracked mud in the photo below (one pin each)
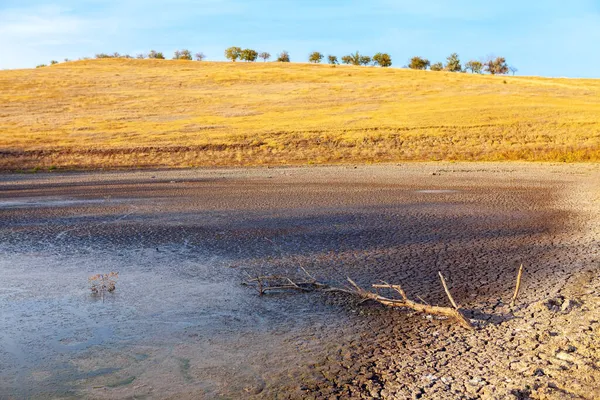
(180, 325)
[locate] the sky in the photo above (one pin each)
(539, 37)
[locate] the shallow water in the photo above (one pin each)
(51, 323)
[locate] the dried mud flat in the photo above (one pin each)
(180, 325)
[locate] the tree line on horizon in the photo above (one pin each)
(492, 65)
(249, 55)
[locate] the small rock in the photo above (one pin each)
(538, 372)
(561, 355)
(476, 382)
(568, 305)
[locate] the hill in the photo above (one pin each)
(133, 113)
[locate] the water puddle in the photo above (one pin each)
(47, 203)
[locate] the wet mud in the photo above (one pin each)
(181, 325)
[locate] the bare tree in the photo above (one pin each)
(264, 55)
(513, 69)
(200, 56)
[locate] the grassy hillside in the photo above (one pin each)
(131, 113)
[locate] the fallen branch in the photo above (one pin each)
(265, 284)
(447, 291)
(278, 283)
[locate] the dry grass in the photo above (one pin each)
(133, 113)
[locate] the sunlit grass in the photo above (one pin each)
(129, 113)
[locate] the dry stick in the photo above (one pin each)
(422, 300)
(447, 291)
(365, 295)
(518, 286)
(397, 288)
(424, 308)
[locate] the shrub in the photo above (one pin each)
(437, 66)
(315, 57)
(284, 56)
(476, 67)
(233, 53)
(419, 63)
(182, 55)
(332, 60)
(156, 55)
(382, 59)
(40, 65)
(53, 62)
(103, 283)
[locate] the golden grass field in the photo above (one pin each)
(117, 113)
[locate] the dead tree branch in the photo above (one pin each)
(278, 283)
(447, 291)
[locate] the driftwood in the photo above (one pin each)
(264, 284)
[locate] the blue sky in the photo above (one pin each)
(538, 37)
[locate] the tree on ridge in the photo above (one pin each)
(383, 60)
(419, 63)
(315, 57)
(264, 55)
(284, 56)
(233, 53)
